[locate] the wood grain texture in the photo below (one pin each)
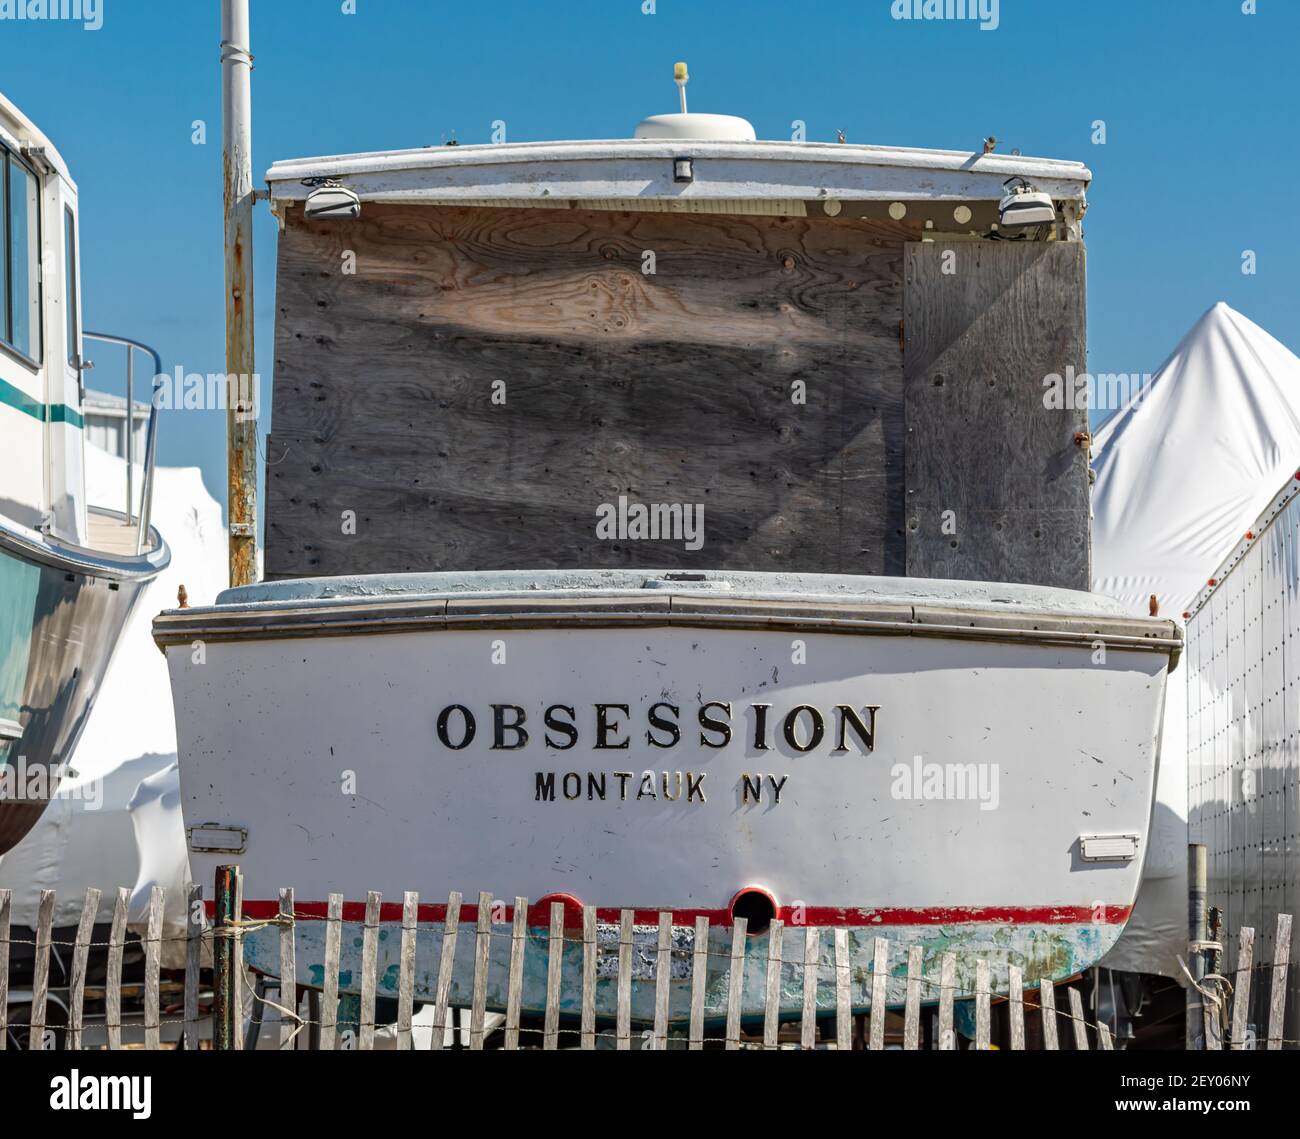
(6, 903)
(152, 967)
(80, 956)
(41, 971)
(673, 387)
(113, 982)
(772, 1005)
(289, 1024)
(983, 329)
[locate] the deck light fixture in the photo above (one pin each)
(1025, 205)
(683, 170)
(329, 201)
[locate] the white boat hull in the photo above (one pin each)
(946, 807)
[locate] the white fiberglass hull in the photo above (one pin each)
(660, 750)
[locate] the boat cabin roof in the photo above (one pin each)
(611, 172)
(20, 134)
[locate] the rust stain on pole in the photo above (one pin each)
(225, 963)
(241, 372)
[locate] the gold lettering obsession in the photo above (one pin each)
(791, 728)
(604, 728)
(467, 722)
(500, 727)
(555, 724)
(864, 730)
(714, 724)
(664, 725)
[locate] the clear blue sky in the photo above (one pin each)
(1201, 105)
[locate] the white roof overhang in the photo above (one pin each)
(627, 169)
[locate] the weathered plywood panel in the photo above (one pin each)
(997, 486)
(671, 387)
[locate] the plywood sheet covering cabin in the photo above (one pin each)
(670, 387)
(997, 485)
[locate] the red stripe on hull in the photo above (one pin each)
(818, 916)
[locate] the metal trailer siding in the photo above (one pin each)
(1243, 741)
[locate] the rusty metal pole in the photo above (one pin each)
(241, 372)
(225, 962)
(1197, 892)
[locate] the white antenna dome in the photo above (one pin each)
(696, 126)
(688, 126)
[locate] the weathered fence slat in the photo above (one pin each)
(288, 971)
(446, 963)
(482, 957)
(1213, 1025)
(772, 1005)
(947, 990)
(554, 964)
(369, 967)
(1241, 986)
(1016, 1007)
(623, 1014)
(41, 977)
(843, 1003)
(113, 984)
(663, 975)
(812, 950)
(80, 955)
(590, 948)
(1277, 990)
(699, 979)
(879, 980)
(1047, 1001)
(1076, 1019)
(406, 969)
(912, 1004)
(194, 926)
(152, 966)
(1104, 1043)
(329, 1001)
(736, 980)
(515, 978)
(6, 904)
(982, 1005)
(41, 974)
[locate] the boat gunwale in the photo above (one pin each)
(40, 549)
(342, 617)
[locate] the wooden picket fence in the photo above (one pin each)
(1227, 1000)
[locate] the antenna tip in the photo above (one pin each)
(680, 73)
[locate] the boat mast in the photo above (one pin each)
(241, 379)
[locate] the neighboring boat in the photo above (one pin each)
(69, 574)
(533, 368)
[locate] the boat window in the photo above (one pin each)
(22, 244)
(70, 286)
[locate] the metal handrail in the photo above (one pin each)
(151, 435)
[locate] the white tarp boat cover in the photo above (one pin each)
(127, 829)
(1182, 474)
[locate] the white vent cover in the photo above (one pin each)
(726, 128)
(1108, 847)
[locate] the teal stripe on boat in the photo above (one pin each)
(62, 413)
(14, 397)
(11, 396)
